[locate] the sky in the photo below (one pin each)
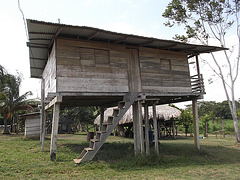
(138, 17)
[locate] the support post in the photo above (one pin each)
(146, 129)
(206, 129)
(101, 117)
(195, 124)
(53, 147)
(155, 128)
(223, 130)
(198, 68)
(42, 115)
(173, 129)
(140, 126)
(136, 129)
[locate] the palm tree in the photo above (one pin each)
(10, 101)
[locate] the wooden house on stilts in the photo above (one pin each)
(81, 66)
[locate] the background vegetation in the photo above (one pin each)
(211, 113)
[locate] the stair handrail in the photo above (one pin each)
(197, 84)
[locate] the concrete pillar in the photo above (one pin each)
(195, 124)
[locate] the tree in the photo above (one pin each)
(2, 84)
(223, 110)
(208, 108)
(186, 119)
(205, 119)
(205, 20)
(11, 102)
(81, 115)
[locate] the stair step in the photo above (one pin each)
(94, 140)
(92, 143)
(99, 134)
(116, 112)
(88, 149)
(104, 127)
(106, 123)
(77, 161)
(110, 119)
(121, 104)
(107, 127)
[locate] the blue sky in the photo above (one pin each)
(139, 17)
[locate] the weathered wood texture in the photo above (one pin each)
(134, 71)
(84, 66)
(146, 129)
(91, 67)
(49, 73)
(155, 128)
(42, 115)
(195, 124)
(53, 145)
(32, 126)
(164, 71)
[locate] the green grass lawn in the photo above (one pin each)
(21, 158)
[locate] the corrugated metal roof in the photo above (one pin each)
(41, 36)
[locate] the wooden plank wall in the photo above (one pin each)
(32, 126)
(49, 73)
(91, 67)
(164, 72)
(83, 66)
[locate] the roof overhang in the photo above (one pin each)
(42, 34)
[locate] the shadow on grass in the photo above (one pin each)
(120, 155)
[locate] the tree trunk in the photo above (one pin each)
(235, 122)
(206, 129)
(231, 102)
(6, 131)
(186, 130)
(233, 108)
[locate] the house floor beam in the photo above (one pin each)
(57, 99)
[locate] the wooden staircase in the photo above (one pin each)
(107, 127)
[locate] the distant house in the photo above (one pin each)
(32, 124)
(166, 117)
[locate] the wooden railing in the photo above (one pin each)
(197, 84)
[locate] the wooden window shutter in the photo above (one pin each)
(165, 64)
(102, 57)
